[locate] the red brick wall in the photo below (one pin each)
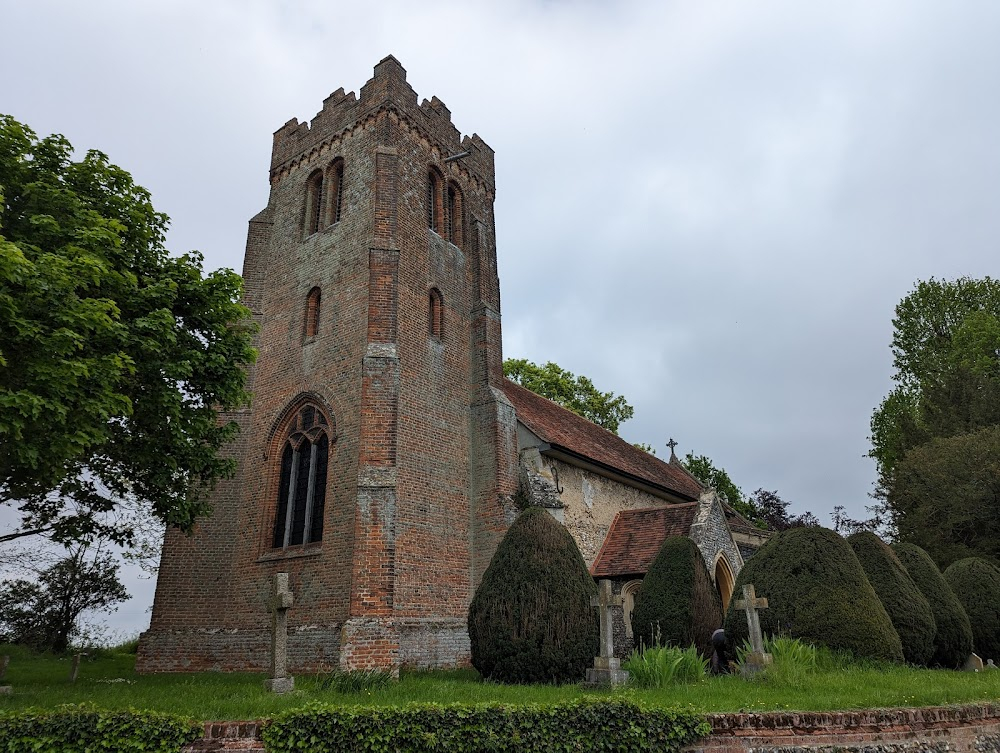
(422, 448)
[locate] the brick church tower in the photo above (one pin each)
(377, 462)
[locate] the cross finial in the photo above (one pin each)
(672, 444)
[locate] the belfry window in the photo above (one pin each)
(456, 219)
(334, 190)
(312, 313)
(302, 486)
(435, 209)
(314, 201)
(435, 314)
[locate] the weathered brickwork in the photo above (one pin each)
(422, 446)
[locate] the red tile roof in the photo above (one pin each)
(564, 430)
(637, 535)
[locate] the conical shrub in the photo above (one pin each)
(906, 606)
(677, 604)
(530, 620)
(816, 591)
(953, 637)
(976, 583)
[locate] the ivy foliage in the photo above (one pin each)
(816, 591)
(677, 604)
(907, 607)
(976, 583)
(530, 620)
(953, 637)
(114, 355)
(83, 729)
(580, 727)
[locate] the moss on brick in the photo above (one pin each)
(976, 583)
(677, 604)
(531, 619)
(953, 639)
(906, 606)
(816, 591)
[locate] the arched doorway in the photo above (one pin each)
(724, 580)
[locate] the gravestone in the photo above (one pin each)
(280, 682)
(750, 603)
(74, 670)
(4, 662)
(607, 671)
(973, 664)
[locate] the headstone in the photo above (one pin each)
(280, 682)
(75, 668)
(4, 663)
(607, 671)
(973, 664)
(989, 665)
(750, 603)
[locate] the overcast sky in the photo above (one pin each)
(711, 208)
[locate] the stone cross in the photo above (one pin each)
(280, 682)
(4, 662)
(607, 669)
(750, 603)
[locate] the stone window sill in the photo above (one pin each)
(291, 553)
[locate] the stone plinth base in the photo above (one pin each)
(754, 664)
(6, 690)
(280, 684)
(606, 672)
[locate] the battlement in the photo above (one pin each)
(386, 90)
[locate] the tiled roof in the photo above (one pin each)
(637, 535)
(564, 430)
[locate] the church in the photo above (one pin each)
(384, 454)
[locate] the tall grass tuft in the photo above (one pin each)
(792, 659)
(359, 681)
(662, 666)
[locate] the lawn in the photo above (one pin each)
(110, 682)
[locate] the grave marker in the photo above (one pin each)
(750, 603)
(607, 668)
(280, 682)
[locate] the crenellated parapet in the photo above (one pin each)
(297, 144)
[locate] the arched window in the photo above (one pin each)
(435, 312)
(456, 219)
(302, 485)
(334, 190)
(314, 201)
(435, 209)
(629, 590)
(312, 313)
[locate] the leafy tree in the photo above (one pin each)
(677, 604)
(907, 607)
(703, 469)
(531, 619)
(953, 638)
(976, 583)
(575, 393)
(115, 357)
(817, 591)
(44, 612)
(946, 350)
(772, 511)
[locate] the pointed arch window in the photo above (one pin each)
(456, 218)
(302, 485)
(334, 190)
(435, 314)
(312, 313)
(435, 197)
(314, 201)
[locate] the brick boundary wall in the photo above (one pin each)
(951, 729)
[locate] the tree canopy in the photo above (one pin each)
(943, 411)
(115, 357)
(575, 393)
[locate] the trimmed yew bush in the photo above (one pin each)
(906, 606)
(677, 604)
(976, 583)
(953, 638)
(531, 620)
(816, 591)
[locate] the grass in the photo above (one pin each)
(109, 681)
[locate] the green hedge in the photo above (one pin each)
(606, 726)
(82, 729)
(976, 583)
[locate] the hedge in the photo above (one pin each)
(578, 727)
(677, 604)
(816, 591)
(907, 607)
(531, 620)
(976, 583)
(953, 639)
(83, 729)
